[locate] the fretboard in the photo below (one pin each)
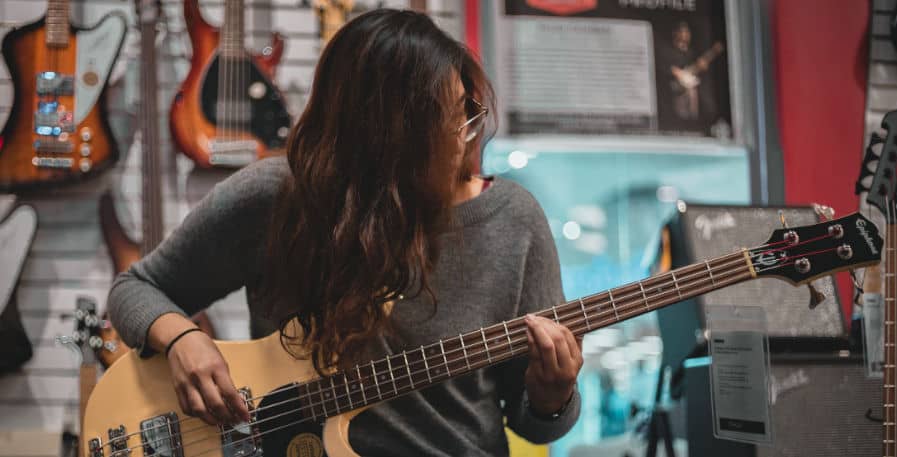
(233, 29)
(889, 395)
(417, 368)
(152, 214)
(58, 23)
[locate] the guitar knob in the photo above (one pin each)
(85, 149)
(86, 134)
(85, 165)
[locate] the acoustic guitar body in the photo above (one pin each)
(257, 368)
(57, 130)
(258, 116)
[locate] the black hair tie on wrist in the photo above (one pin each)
(175, 339)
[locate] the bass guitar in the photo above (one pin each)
(57, 129)
(881, 193)
(134, 409)
(122, 249)
(228, 111)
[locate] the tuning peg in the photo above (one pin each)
(823, 211)
(816, 297)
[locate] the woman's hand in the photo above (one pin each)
(200, 374)
(555, 357)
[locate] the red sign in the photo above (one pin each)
(563, 7)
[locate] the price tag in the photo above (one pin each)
(873, 326)
(739, 373)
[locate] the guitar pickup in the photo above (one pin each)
(52, 83)
(161, 436)
(53, 146)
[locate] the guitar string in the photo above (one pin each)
(636, 306)
(697, 267)
(637, 299)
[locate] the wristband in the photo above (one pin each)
(175, 339)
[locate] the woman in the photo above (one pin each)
(375, 235)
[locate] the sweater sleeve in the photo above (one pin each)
(214, 252)
(540, 289)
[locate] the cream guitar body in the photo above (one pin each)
(142, 388)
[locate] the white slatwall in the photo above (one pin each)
(68, 257)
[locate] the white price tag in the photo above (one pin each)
(739, 373)
(873, 343)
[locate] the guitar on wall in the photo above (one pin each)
(332, 14)
(57, 130)
(134, 408)
(228, 112)
(881, 193)
(122, 249)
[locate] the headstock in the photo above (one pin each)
(802, 254)
(87, 329)
(883, 189)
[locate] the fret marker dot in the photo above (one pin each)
(327, 394)
(383, 377)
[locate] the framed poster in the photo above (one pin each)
(656, 67)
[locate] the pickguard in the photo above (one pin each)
(97, 50)
(282, 428)
(262, 110)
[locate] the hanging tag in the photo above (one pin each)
(739, 373)
(873, 324)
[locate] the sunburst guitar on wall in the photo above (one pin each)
(57, 130)
(228, 111)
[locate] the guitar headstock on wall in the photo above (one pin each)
(882, 167)
(332, 14)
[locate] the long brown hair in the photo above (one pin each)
(374, 162)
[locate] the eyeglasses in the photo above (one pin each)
(474, 125)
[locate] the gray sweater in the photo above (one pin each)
(498, 262)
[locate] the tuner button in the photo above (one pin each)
(836, 231)
(802, 265)
(792, 237)
(845, 251)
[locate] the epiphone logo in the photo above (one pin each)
(769, 258)
(707, 225)
(861, 227)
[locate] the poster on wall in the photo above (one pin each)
(655, 67)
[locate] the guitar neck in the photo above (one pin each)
(422, 367)
(889, 395)
(57, 23)
(233, 30)
(153, 228)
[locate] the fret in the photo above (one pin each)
(582, 306)
(314, 416)
(392, 375)
(644, 295)
(614, 305)
(333, 391)
(364, 397)
(710, 272)
(464, 348)
(445, 359)
(554, 309)
(348, 392)
(676, 284)
(408, 369)
(376, 382)
(323, 401)
(423, 354)
(486, 345)
(508, 334)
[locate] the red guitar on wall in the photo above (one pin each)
(228, 111)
